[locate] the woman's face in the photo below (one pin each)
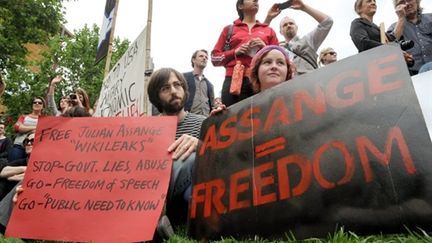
(329, 57)
(64, 103)
(37, 104)
(28, 143)
(368, 7)
(250, 5)
(273, 69)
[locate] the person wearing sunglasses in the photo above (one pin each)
(12, 172)
(327, 56)
(25, 124)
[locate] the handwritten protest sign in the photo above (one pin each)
(123, 92)
(345, 145)
(95, 179)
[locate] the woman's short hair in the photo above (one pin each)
(158, 79)
(357, 5)
(256, 63)
(323, 52)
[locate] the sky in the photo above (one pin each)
(181, 27)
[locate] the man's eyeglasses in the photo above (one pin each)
(37, 103)
(332, 53)
(28, 142)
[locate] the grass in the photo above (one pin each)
(339, 236)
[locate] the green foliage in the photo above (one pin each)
(72, 57)
(26, 21)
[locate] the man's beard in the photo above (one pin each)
(291, 34)
(173, 108)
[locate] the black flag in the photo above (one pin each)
(105, 32)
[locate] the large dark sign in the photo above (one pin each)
(345, 145)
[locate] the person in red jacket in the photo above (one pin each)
(247, 37)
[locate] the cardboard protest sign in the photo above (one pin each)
(345, 145)
(95, 179)
(123, 92)
(423, 88)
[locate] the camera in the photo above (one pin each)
(73, 96)
(284, 5)
(406, 44)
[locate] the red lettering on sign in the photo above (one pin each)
(198, 197)
(229, 131)
(394, 134)
(346, 89)
(236, 188)
(250, 188)
(212, 198)
(262, 181)
(284, 184)
(317, 104)
(376, 75)
(210, 140)
(354, 90)
(279, 113)
(247, 120)
(348, 160)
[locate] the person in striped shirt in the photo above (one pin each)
(168, 92)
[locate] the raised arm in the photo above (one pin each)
(400, 24)
(51, 91)
(314, 13)
(274, 11)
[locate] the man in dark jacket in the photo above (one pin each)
(201, 91)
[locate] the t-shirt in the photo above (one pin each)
(191, 125)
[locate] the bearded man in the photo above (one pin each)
(168, 92)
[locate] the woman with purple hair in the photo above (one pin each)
(270, 67)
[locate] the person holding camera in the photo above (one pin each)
(303, 50)
(365, 34)
(414, 27)
(83, 100)
(80, 98)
